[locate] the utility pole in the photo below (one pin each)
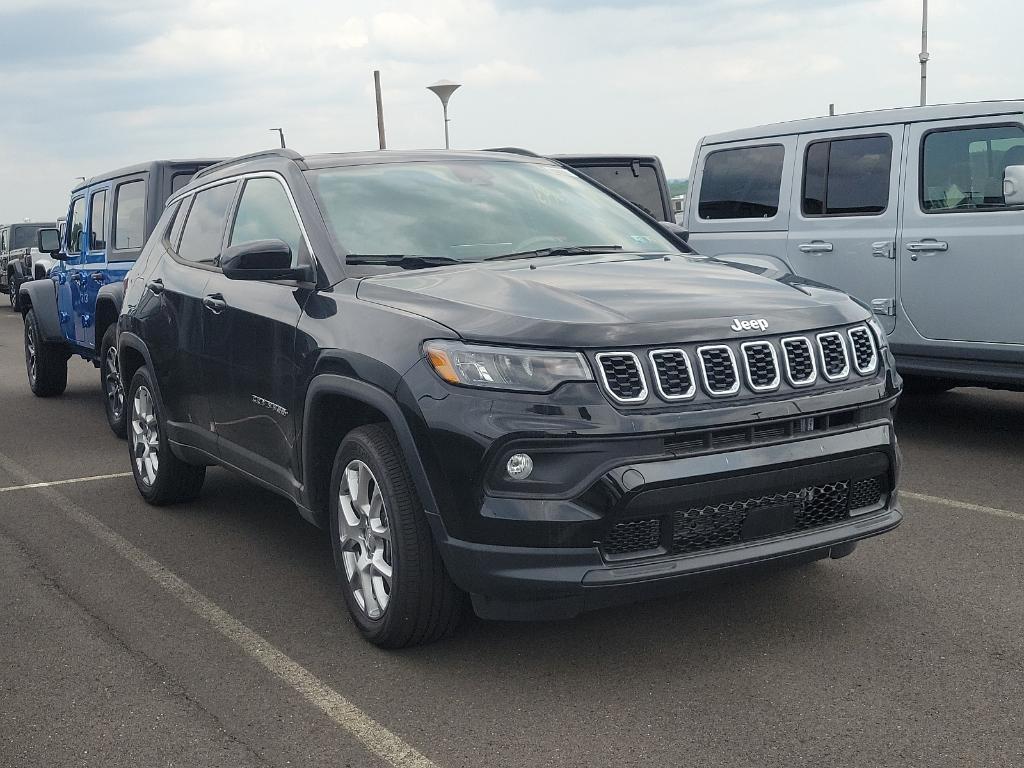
(923, 58)
(380, 110)
(831, 110)
(280, 132)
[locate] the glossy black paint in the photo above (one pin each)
(261, 375)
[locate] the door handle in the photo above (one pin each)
(926, 246)
(98, 277)
(816, 246)
(156, 287)
(883, 249)
(215, 303)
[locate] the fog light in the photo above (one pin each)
(519, 466)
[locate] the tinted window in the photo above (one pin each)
(74, 228)
(24, 237)
(179, 221)
(742, 183)
(641, 188)
(3, 241)
(179, 180)
(130, 215)
(473, 209)
(265, 213)
(98, 221)
(962, 170)
(204, 227)
(847, 176)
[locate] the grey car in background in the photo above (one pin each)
(917, 212)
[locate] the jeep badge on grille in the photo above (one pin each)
(749, 325)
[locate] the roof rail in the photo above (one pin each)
(513, 151)
(289, 154)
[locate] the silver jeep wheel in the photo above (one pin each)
(365, 534)
(112, 382)
(145, 436)
(31, 360)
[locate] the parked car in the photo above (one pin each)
(74, 312)
(918, 212)
(638, 178)
(19, 259)
(485, 374)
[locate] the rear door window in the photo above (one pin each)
(130, 215)
(98, 221)
(204, 228)
(742, 183)
(962, 170)
(847, 177)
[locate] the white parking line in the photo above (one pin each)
(374, 736)
(29, 486)
(963, 505)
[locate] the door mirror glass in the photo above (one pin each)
(1013, 185)
(48, 241)
(262, 260)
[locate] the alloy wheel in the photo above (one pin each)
(145, 436)
(112, 383)
(12, 292)
(31, 361)
(365, 532)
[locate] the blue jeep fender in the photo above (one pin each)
(41, 296)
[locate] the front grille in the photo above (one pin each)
(762, 366)
(673, 374)
(634, 536)
(718, 367)
(801, 369)
(623, 377)
(712, 526)
(867, 493)
(865, 358)
(834, 362)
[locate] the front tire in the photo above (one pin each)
(161, 477)
(394, 583)
(45, 364)
(110, 381)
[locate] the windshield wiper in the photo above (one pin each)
(402, 260)
(570, 250)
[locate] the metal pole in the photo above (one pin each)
(831, 110)
(280, 132)
(446, 146)
(923, 58)
(380, 110)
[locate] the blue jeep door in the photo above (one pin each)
(92, 271)
(68, 274)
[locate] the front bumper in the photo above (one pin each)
(532, 582)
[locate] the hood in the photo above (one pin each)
(618, 299)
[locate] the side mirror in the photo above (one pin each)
(263, 260)
(1013, 185)
(48, 241)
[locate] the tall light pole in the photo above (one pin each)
(923, 58)
(280, 132)
(444, 90)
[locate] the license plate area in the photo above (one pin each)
(769, 520)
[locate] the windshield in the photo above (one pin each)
(24, 236)
(473, 210)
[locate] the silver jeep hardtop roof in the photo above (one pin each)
(869, 119)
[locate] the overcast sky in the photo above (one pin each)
(92, 85)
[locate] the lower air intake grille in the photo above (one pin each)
(634, 536)
(867, 493)
(623, 376)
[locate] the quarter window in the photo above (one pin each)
(264, 213)
(742, 183)
(129, 215)
(204, 227)
(847, 177)
(74, 228)
(963, 169)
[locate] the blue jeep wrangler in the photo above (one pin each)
(109, 219)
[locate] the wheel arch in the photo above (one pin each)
(108, 307)
(41, 296)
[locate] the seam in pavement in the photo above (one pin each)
(108, 633)
(374, 736)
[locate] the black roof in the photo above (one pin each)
(128, 170)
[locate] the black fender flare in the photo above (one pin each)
(328, 384)
(16, 270)
(128, 340)
(109, 301)
(41, 295)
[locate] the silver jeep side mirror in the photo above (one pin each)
(1013, 185)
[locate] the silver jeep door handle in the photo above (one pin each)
(816, 246)
(928, 245)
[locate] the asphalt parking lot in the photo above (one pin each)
(211, 634)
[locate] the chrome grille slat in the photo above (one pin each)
(622, 376)
(761, 365)
(673, 374)
(718, 369)
(799, 358)
(835, 361)
(865, 355)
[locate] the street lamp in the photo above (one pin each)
(444, 90)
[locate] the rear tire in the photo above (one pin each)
(45, 364)
(394, 583)
(161, 477)
(12, 293)
(110, 381)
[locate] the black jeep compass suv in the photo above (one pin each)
(486, 374)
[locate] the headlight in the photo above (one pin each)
(520, 370)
